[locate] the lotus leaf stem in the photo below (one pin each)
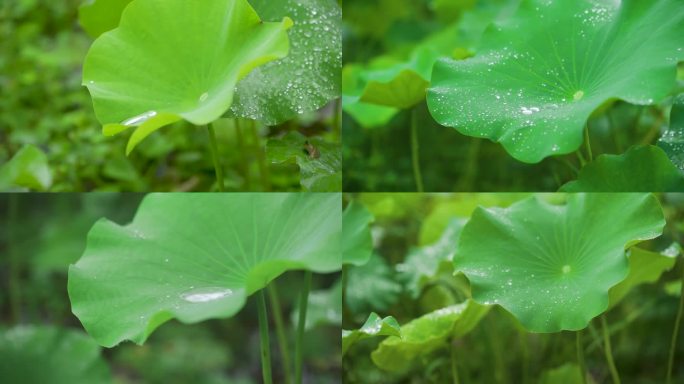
(241, 149)
(609, 351)
(587, 140)
(261, 158)
(675, 332)
(299, 346)
(215, 155)
(280, 331)
(265, 341)
(415, 156)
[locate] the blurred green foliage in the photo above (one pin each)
(41, 234)
(43, 104)
(497, 350)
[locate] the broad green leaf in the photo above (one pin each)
(47, 354)
(567, 373)
(309, 77)
(197, 256)
(367, 115)
(426, 334)
(28, 168)
(324, 307)
(551, 266)
(319, 161)
(374, 326)
(672, 141)
(644, 267)
(100, 16)
(423, 263)
(356, 234)
(539, 75)
(185, 65)
(640, 169)
(371, 286)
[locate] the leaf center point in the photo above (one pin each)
(566, 269)
(578, 95)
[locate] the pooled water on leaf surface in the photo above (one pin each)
(140, 119)
(203, 295)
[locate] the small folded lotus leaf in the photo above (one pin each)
(672, 141)
(644, 267)
(47, 354)
(539, 75)
(374, 326)
(356, 234)
(28, 168)
(365, 114)
(551, 266)
(176, 59)
(640, 169)
(309, 77)
(426, 334)
(99, 16)
(197, 256)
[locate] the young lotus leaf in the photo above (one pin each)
(640, 169)
(197, 256)
(356, 234)
(374, 326)
(27, 169)
(309, 77)
(644, 267)
(426, 334)
(424, 263)
(184, 65)
(539, 74)
(319, 161)
(43, 354)
(672, 141)
(552, 266)
(100, 16)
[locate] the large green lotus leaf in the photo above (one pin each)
(426, 334)
(28, 168)
(371, 286)
(366, 114)
(100, 16)
(551, 266)
(357, 242)
(423, 263)
(644, 267)
(197, 256)
(46, 354)
(374, 326)
(309, 77)
(540, 74)
(672, 141)
(640, 169)
(319, 161)
(185, 65)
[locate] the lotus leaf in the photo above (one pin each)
(27, 169)
(100, 16)
(371, 286)
(197, 256)
(672, 141)
(644, 267)
(551, 266)
(356, 234)
(640, 169)
(374, 326)
(185, 65)
(539, 75)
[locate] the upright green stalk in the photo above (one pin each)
(261, 158)
(415, 158)
(337, 119)
(14, 284)
(265, 341)
(580, 356)
(241, 148)
(215, 155)
(675, 332)
(299, 346)
(609, 351)
(454, 366)
(588, 142)
(280, 331)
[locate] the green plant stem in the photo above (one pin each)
(215, 155)
(280, 331)
(265, 341)
(617, 139)
(244, 168)
(337, 119)
(580, 356)
(582, 161)
(14, 283)
(675, 332)
(587, 140)
(454, 366)
(415, 156)
(299, 346)
(261, 158)
(609, 351)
